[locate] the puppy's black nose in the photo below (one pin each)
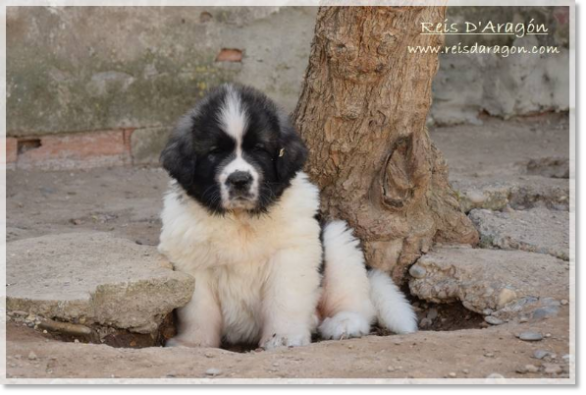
(240, 180)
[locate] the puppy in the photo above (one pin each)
(240, 217)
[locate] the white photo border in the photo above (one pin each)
(226, 381)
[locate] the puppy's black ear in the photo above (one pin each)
(292, 153)
(178, 157)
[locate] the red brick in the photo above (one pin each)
(127, 139)
(11, 149)
(229, 55)
(77, 150)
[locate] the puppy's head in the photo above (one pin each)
(234, 151)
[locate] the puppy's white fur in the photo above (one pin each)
(393, 310)
(257, 278)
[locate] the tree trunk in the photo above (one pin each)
(362, 112)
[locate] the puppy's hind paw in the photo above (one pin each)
(344, 325)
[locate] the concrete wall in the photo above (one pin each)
(80, 69)
(469, 84)
(137, 69)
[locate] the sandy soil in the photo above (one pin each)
(471, 353)
(126, 201)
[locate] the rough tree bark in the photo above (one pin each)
(363, 112)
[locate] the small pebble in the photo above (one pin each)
(528, 369)
(540, 354)
(432, 314)
(564, 302)
(209, 354)
(213, 372)
(452, 374)
(495, 376)
(425, 322)
(417, 271)
(465, 371)
(32, 356)
(390, 369)
(493, 320)
(551, 368)
(530, 336)
(76, 341)
(523, 319)
(489, 354)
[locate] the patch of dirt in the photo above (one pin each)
(447, 317)
(109, 336)
(499, 147)
(468, 353)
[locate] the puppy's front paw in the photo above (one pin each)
(344, 325)
(286, 340)
(175, 342)
(180, 342)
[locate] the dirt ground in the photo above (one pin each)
(471, 353)
(126, 201)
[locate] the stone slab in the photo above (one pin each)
(93, 278)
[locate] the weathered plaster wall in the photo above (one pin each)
(79, 69)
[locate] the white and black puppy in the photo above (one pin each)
(240, 217)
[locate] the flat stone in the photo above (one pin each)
(493, 320)
(528, 369)
(529, 336)
(93, 278)
(516, 191)
(545, 312)
(536, 230)
(505, 283)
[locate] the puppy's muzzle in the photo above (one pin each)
(239, 183)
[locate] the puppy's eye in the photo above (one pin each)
(260, 147)
(214, 151)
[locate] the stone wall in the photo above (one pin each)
(133, 71)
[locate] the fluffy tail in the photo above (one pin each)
(348, 286)
(392, 309)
